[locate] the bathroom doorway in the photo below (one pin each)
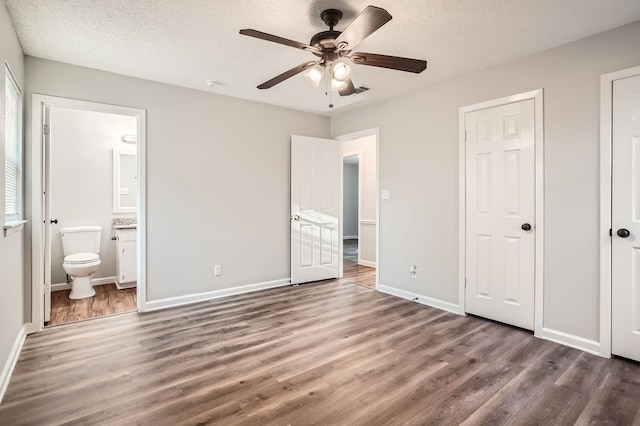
(92, 179)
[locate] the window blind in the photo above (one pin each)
(12, 149)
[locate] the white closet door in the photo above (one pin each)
(500, 209)
(625, 275)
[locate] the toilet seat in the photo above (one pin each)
(81, 258)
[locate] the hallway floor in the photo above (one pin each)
(356, 274)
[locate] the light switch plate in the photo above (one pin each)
(124, 191)
(386, 194)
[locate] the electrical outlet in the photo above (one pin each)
(217, 270)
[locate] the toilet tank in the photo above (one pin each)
(81, 239)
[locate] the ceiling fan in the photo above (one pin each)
(332, 47)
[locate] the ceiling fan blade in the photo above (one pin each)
(349, 90)
(276, 39)
(391, 62)
(362, 27)
(287, 74)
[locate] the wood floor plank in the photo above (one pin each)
(324, 353)
(108, 300)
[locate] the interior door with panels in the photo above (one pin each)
(500, 209)
(625, 192)
(316, 166)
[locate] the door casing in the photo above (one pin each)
(36, 190)
(537, 96)
(606, 145)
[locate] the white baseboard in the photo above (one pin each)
(10, 364)
(590, 346)
(154, 305)
(425, 300)
(350, 237)
(366, 263)
(95, 281)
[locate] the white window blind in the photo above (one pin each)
(12, 162)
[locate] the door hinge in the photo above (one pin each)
(465, 282)
(610, 232)
(45, 129)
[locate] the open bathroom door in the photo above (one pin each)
(316, 206)
(46, 214)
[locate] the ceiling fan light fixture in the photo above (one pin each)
(314, 75)
(341, 71)
(338, 85)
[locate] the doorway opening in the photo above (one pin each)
(360, 210)
(88, 174)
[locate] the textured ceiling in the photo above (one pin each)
(187, 42)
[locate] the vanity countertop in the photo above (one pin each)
(129, 226)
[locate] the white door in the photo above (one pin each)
(46, 198)
(316, 167)
(500, 210)
(625, 275)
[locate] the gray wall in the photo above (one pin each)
(419, 164)
(217, 177)
(82, 144)
(350, 204)
(12, 262)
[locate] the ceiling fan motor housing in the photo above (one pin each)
(324, 40)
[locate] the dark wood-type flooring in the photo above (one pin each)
(107, 301)
(327, 353)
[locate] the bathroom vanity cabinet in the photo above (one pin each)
(126, 257)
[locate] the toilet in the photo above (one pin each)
(81, 246)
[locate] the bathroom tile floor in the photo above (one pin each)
(107, 301)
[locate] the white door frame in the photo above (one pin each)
(537, 96)
(606, 144)
(375, 131)
(37, 221)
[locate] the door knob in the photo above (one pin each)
(623, 233)
(54, 221)
(526, 227)
(295, 217)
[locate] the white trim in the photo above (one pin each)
(10, 364)
(606, 144)
(154, 305)
(590, 346)
(349, 237)
(375, 131)
(13, 226)
(537, 96)
(418, 298)
(94, 282)
(36, 191)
